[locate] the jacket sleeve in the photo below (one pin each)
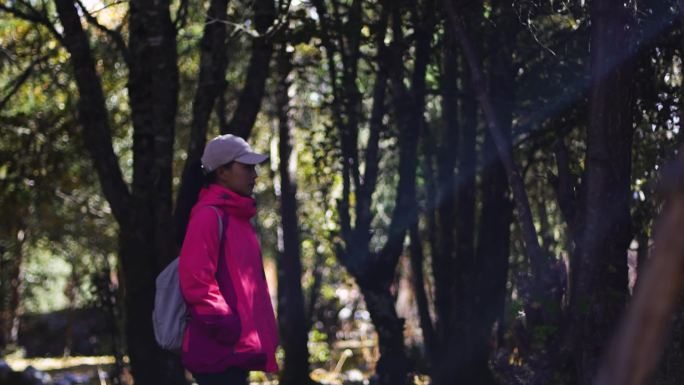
(197, 273)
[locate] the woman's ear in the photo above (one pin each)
(220, 173)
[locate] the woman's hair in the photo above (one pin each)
(210, 177)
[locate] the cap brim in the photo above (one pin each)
(252, 158)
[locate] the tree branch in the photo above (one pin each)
(532, 247)
(92, 111)
(22, 78)
(367, 187)
(35, 17)
(331, 50)
(181, 15)
(212, 74)
(249, 103)
(114, 35)
(409, 107)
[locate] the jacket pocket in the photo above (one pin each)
(224, 329)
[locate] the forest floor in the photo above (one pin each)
(95, 371)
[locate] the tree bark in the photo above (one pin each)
(92, 111)
(532, 248)
(291, 310)
(144, 215)
(212, 79)
(445, 259)
(11, 287)
(374, 272)
(374, 282)
(417, 259)
(249, 102)
(145, 248)
(392, 367)
(600, 280)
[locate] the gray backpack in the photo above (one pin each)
(170, 313)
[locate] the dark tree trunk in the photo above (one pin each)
(453, 218)
(291, 311)
(479, 276)
(490, 273)
(210, 93)
(444, 260)
(212, 79)
(249, 102)
(465, 181)
(483, 278)
(92, 111)
(373, 272)
(600, 279)
(145, 215)
(408, 109)
(392, 367)
(417, 260)
(487, 273)
(11, 287)
(489, 108)
(145, 247)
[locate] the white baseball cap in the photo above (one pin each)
(227, 148)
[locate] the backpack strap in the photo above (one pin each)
(220, 219)
(220, 222)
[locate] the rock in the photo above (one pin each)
(33, 376)
(5, 372)
(77, 379)
(354, 377)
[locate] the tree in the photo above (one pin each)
(600, 270)
(374, 270)
(143, 210)
(291, 307)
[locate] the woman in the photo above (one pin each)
(232, 327)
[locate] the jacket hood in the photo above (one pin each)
(226, 200)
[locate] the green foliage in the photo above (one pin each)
(46, 279)
(319, 349)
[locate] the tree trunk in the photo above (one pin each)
(487, 289)
(12, 274)
(249, 102)
(600, 280)
(504, 149)
(374, 271)
(145, 249)
(212, 79)
(392, 366)
(444, 260)
(291, 311)
(417, 259)
(480, 275)
(488, 272)
(210, 93)
(143, 216)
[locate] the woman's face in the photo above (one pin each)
(238, 177)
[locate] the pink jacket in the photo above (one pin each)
(231, 317)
